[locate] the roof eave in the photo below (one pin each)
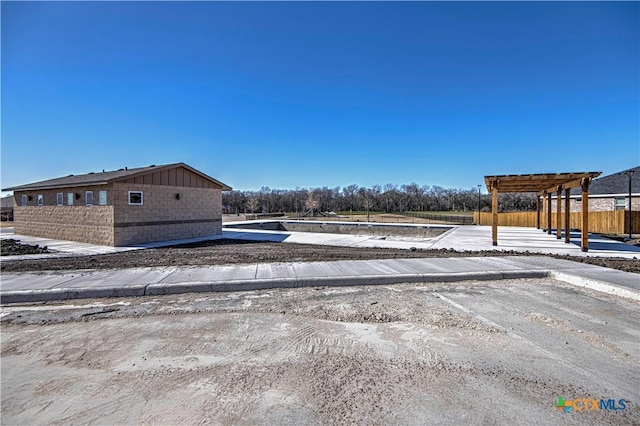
(66, 185)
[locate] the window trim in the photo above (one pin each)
(86, 199)
(70, 197)
(40, 198)
(60, 199)
(141, 198)
(100, 193)
(24, 200)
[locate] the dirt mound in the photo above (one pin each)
(13, 247)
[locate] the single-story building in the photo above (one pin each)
(608, 193)
(611, 192)
(121, 207)
(6, 206)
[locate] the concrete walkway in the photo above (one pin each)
(44, 286)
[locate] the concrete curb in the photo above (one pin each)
(261, 284)
(57, 294)
(596, 285)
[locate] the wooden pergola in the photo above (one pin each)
(544, 185)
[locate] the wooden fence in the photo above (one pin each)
(609, 222)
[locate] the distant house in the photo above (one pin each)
(7, 208)
(122, 207)
(610, 193)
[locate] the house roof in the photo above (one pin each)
(6, 201)
(103, 178)
(536, 182)
(616, 183)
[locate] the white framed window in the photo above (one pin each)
(59, 198)
(40, 199)
(102, 198)
(70, 197)
(620, 203)
(24, 199)
(89, 198)
(136, 198)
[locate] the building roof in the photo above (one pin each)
(537, 182)
(616, 183)
(6, 201)
(106, 177)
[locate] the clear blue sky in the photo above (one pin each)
(309, 94)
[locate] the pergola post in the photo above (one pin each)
(537, 211)
(567, 215)
(549, 213)
(559, 213)
(494, 211)
(585, 214)
(543, 214)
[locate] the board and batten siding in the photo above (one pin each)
(173, 177)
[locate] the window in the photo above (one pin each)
(59, 198)
(40, 199)
(70, 198)
(102, 198)
(620, 203)
(89, 198)
(24, 200)
(135, 198)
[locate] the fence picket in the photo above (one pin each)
(601, 222)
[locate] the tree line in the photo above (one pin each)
(388, 198)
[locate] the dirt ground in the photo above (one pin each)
(225, 251)
(457, 353)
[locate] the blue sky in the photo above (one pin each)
(307, 94)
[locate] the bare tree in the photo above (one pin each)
(253, 203)
(368, 202)
(311, 204)
(390, 197)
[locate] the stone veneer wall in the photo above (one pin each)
(162, 217)
(79, 222)
(88, 224)
(599, 204)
